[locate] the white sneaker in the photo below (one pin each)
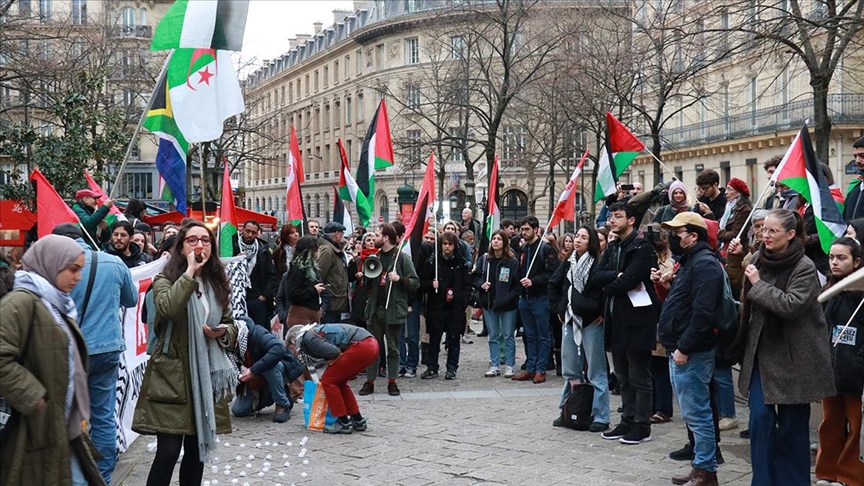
(493, 372)
(823, 482)
(727, 423)
(509, 372)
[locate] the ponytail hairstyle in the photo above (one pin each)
(854, 251)
(790, 220)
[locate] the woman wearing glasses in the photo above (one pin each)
(785, 358)
(189, 378)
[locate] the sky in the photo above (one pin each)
(271, 23)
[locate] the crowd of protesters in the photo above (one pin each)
(660, 303)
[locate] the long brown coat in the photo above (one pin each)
(736, 221)
(795, 366)
(160, 416)
(38, 450)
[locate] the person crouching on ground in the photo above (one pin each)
(264, 367)
(349, 349)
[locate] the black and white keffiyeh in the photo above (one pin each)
(580, 268)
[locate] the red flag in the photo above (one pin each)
(95, 187)
(566, 207)
(51, 210)
(296, 176)
(419, 224)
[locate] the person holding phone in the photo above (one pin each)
(189, 378)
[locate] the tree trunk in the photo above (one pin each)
(821, 122)
(656, 147)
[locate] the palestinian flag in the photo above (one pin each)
(493, 212)
(205, 24)
(620, 150)
(350, 191)
(51, 210)
(419, 224)
(566, 207)
(377, 151)
(173, 147)
(799, 170)
(340, 212)
(296, 176)
(204, 92)
(114, 213)
(228, 223)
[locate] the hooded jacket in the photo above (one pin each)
(504, 277)
(136, 256)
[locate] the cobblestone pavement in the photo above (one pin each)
(472, 430)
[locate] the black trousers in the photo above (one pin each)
(633, 369)
(167, 451)
(663, 393)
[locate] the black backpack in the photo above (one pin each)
(576, 412)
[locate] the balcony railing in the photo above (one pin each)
(842, 108)
(140, 31)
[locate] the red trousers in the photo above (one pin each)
(839, 436)
(349, 364)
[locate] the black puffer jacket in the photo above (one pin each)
(848, 356)
(504, 276)
(445, 309)
(628, 328)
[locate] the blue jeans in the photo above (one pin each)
(571, 362)
(409, 337)
(595, 353)
(102, 385)
(78, 478)
(779, 439)
(501, 325)
(725, 391)
(245, 405)
(538, 334)
(692, 382)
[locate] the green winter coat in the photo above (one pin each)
(38, 450)
(408, 282)
(165, 401)
(334, 273)
(90, 220)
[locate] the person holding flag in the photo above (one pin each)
(92, 214)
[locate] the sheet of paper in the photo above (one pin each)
(639, 297)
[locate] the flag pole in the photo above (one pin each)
(140, 125)
(843, 330)
(695, 199)
(755, 205)
(395, 261)
(89, 236)
(436, 259)
(539, 245)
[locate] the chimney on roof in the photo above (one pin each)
(360, 5)
(318, 26)
(292, 43)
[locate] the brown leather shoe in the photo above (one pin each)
(683, 478)
(523, 376)
(700, 477)
(540, 378)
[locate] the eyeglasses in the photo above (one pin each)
(771, 231)
(194, 240)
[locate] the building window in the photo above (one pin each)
(326, 117)
(307, 85)
(337, 113)
(413, 138)
(349, 110)
(347, 67)
(291, 92)
(326, 76)
(412, 97)
(515, 139)
(316, 80)
(24, 9)
(358, 60)
(127, 17)
(457, 47)
(379, 56)
(298, 88)
(411, 5)
(138, 185)
(44, 11)
(359, 107)
(79, 12)
(142, 16)
(335, 72)
(412, 51)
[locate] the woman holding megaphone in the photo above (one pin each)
(355, 276)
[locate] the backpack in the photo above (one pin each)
(576, 411)
(728, 312)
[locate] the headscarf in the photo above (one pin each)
(50, 255)
(676, 184)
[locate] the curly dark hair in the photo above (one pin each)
(213, 271)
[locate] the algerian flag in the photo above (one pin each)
(377, 151)
(212, 24)
(350, 191)
(620, 150)
(204, 92)
(227, 216)
(493, 218)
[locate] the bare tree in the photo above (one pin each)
(819, 33)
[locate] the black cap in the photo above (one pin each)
(333, 227)
(69, 230)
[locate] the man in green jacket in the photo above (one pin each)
(91, 213)
(383, 318)
(334, 271)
